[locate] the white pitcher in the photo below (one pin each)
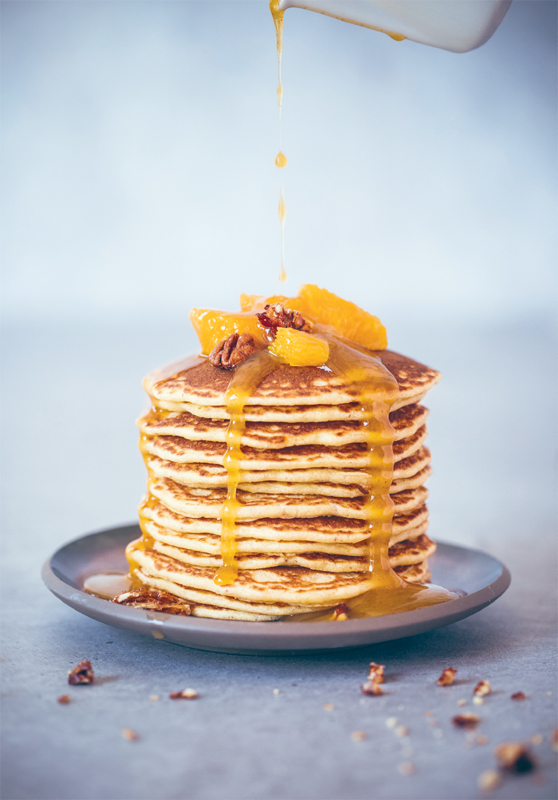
(456, 25)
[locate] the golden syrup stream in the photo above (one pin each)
(277, 14)
(281, 158)
(245, 381)
(282, 209)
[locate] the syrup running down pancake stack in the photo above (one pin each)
(277, 521)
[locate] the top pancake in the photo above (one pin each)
(197, 382)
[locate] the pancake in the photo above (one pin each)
(219, 606)
(266, 435)
(404, 553)
(326, 529)
(294, 586)
(199, 383)
(355, 455)
(210, 542)
(290, 414)
(193, 502)
(306, 481)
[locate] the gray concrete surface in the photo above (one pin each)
(70, 466)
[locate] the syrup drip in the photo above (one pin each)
(282, 209)
(377, 390)
(245, 381)
(280, 158)
(277, 14)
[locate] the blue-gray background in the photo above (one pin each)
(138, 181)
(139, 140)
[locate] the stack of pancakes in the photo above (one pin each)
(301, 531)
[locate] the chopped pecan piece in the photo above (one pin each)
(466, 720)
(129, 734)
(82, 673)
(519, 696)
(64, 699)
(185, 694)
(233, 350)
(447, 677)
(154, 600)
(489, 780)
(277, 316)
(375, 678)
(514, 756)
(341, 612)
(372, 688)
(482, 688)
(376, 672)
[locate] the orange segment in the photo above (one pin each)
(347, 318)
(299, 349)
(214, 326)
(257, 302)
(319, 305)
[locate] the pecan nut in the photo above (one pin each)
(515, 756)
(154, 600)
(232, 351)
(375, 678)
(466, 720)
(447, 677)
(82, 673)
(277, 316)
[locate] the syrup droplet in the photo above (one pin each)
(281, 160)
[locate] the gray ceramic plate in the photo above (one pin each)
(479, 576)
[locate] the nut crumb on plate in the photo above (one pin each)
(401, 731)
(358, 736)
(341, 612)
(519, 696)
(461, 703)
(64, 699)
(129, 734)
(482, 688)
(276, 691)
(153, 697)
(391, 722)
(329, 706)
(82, 674)
(554, 739)
(447, 677)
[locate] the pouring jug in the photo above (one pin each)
(456, 25)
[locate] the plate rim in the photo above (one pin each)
(83, 602)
